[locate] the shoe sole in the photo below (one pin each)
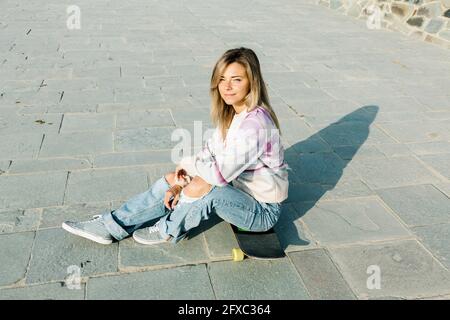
(85, 234)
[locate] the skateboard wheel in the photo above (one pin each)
(237, 254)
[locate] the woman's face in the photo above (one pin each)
(234, 85)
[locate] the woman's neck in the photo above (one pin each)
(239, 109)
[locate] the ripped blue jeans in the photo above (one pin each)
(229, 203)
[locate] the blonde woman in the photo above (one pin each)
(240, 174)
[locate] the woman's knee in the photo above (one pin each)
(170, 178)
(197, 188)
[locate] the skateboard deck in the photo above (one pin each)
(257, 245)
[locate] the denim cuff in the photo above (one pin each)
(113, 227)
(163, 232)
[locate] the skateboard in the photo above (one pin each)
(256, 245)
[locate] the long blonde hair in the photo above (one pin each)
(222, 113)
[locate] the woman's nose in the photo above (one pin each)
(228, 84)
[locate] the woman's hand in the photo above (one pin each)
(181, 177)
(174, 192)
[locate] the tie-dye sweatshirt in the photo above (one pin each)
(251, 158)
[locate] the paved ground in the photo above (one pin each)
(86, 118)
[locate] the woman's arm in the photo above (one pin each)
(223, 166)
(197, 188)
(194, 187)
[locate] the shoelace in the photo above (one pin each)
(153, 229)
(94, 218)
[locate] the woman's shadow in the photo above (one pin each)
(317, 164)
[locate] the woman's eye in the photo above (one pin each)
(237, 80)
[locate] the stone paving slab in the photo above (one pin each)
(19, 99)
(138, 100)
(443, 187)
(406, 270)
(163, 82)
(32, 191)
(23, 146)
(183, 116)
(124, 159)
(418, 131)
(291, 95)
(322, 121)
(320, 275)
(399, 105)
(51, 291)
(13, 221)
(113, 107)
(395, 119)
(279, 80)
(350, 153)
(90, 122)
(85, 84)
(304, 192)
(418, 205)
(184, 283)
(46, 165)
(64, 107)
(282, 110)
(156, 172)
(104, 185)
(134, 255)
(347, 91)
(429, 148)
(242, 281)
(312, 145)
(435, 238)
(143, 139)
(36, 123)
(149, 118)
(439, 162)
(434, 102)
(122, 84)
(338, 222)
(394, 150)
(15, 251)
(88, 98)
(4, 166)
(295, 130)
(182, 94)
(346, 188)
(142, 70)
(100, 73)
(324, 168)
(324, 107)
(71, 144)
(55, 251)
(393, 172)
(353, 133)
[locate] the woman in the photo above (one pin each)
(240, 174)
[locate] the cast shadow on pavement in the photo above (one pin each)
(317, 165)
